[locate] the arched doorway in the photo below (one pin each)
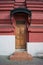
(21, 18)
(20, 31)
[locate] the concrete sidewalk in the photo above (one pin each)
(5, 61)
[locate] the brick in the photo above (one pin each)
(20, 56)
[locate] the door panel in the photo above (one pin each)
(20, 36)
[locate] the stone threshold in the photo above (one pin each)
(20, 56)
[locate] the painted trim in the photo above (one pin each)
(19, 50)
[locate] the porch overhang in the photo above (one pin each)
(20, 10)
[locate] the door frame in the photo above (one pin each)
(25, 43)
(25, 11)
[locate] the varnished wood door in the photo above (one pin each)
(20, 36)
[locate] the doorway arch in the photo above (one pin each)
(21, 16)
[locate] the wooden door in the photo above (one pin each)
(20, 36)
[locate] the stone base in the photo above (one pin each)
(20, 56)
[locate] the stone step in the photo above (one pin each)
(20, 56)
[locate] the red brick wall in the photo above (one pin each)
(36, 25)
